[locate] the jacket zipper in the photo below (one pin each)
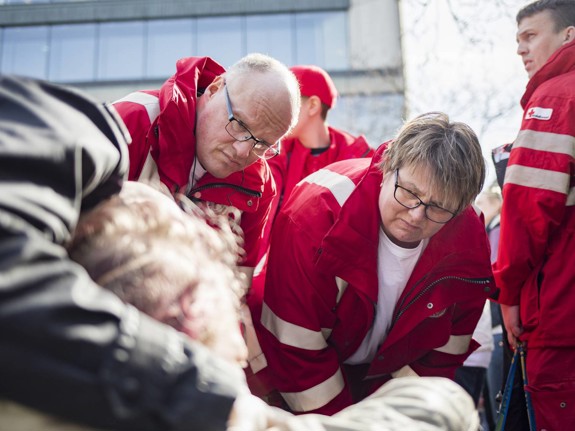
(419, 295)
(426, 289)
(237, 188)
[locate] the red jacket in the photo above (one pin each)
(294, 163)
(535, 265)
(322, 284)
(162, 124)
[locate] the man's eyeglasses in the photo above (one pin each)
(410, 200)
(238, 130)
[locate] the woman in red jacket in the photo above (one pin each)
(378, 268)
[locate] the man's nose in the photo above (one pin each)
(243, 148)
(521, 48)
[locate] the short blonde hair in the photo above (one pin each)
(449, 150)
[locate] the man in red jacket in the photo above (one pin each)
(207, 133)
(535, 267)
(378, 268)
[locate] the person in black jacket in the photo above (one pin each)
(69, 348)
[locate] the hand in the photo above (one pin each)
(249, 413)
(512, 322)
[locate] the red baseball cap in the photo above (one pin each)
(314, 81)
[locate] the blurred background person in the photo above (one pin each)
(489, 201)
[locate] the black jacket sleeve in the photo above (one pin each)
(67, 346)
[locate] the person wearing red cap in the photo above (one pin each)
(311, 145)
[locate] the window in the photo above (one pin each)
(272, 35)
(134, 50)
(322, 39)
(168, 41)
(25, 51)
(334, 29)
(121, 51)
(72, 53)
(221, 39)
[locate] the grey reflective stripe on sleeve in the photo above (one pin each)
(545, 141)
(290, 334)
(339, 185)
(538, 178)
(148, 101)
(317, 396)
(256, 358)
(544, 179)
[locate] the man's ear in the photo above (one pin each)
(215, 85)
(569, 34)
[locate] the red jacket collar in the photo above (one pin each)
(560, 62)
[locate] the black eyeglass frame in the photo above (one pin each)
(269, 151)
(426, 205)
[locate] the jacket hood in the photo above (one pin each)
(175, 148)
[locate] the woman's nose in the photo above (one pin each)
(418, 213)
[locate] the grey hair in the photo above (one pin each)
(261, 63)
(449, 150)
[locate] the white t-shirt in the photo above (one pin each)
(394, 267)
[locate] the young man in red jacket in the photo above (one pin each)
(535, 267)
(387, 273)
(206, 133)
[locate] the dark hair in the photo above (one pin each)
(562, 12)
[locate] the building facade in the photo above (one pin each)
(112, 47)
